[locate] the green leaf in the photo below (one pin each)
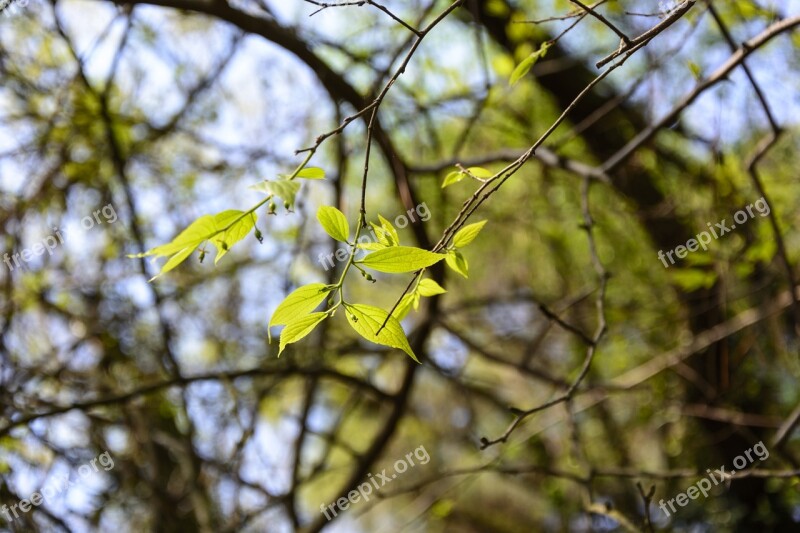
(311, 173)
(174, 261)
(453, 178)
(399, 259)
(457, 262)
(385, 233)
(372, 246)
(299, 328)
(198, 231)
(334, 222)
(480, 172)
(299, 303)
(284, 189)
(428, 287)
(367, 320)
(223, 229)
(458, 175)
(527, 64)
(238, 224)
(391, 233)
(467, 234)
(404, 307)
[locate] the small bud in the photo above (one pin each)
(287, 205)
(225, 246)
(368, 277)
(271, 208)
(202, 255)
(259, 236)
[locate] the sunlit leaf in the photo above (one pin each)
(334, 223)
(390, 231)
(527, 64)
(312, 173)
(399, 259)
(300, 302)
(234, 226)
(453, 178)
(283, 189)
(428, 287)
(223, 229)
(457, 262)
(467, 234)
(404, 307)
(480, 172)
(367, 320)
(372, 246)
(174, 261)
(299, 328)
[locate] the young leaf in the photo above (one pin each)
(283, 189)
(198, 231)
(299, 328)
(527, 64)
(299, 303)
(399, 259)
(480, 172)
(386, 236)
(467, 234)
(371, 246)
(457, 262)
(367, 320)
(238, 225)
(334, 222)
(428, 287)
(224, 230)
(391, 233)
(403, 307)
(174, 261)
(311, 173)
(453, 178)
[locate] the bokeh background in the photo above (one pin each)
(167, 110)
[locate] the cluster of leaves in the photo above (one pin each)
(387, 255)
(297, 313)
(225, 229)
(467, 234)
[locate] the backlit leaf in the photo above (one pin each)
(283, 189)
(403, 307)
(467, 234)
(367, 320)
(527, 64)
(453, 178)
(397, 259)
(334, 222)
(428, 287)
(299, 303)
(311, 173)
(299, 328)
(457, 262)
